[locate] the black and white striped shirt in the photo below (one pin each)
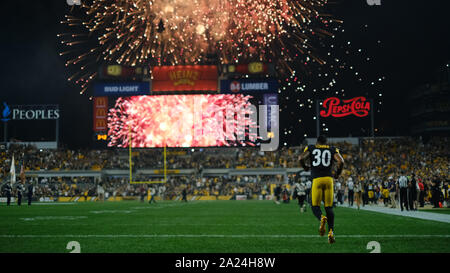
(301, 187)
(403, 182)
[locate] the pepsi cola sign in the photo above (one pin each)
(334, 107)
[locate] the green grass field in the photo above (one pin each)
(209, 227)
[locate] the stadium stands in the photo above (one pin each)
(201, 171)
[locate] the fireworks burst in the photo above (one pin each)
(138, 32)
(181, 121)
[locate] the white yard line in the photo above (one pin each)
(169, 224)
(433, 216)
(222, 236)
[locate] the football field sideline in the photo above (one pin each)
(439, 217)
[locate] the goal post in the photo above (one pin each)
(131, 166)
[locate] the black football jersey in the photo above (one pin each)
(322, 158)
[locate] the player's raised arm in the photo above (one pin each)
(340, 163)
(303, 157)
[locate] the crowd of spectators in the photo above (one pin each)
(120, 186)
(64, 159)
(373, 160)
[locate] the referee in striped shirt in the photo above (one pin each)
(403, 185)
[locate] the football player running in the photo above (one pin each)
(322, 158)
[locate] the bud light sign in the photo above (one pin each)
(122, 89)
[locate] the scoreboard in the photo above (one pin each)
(162, 105)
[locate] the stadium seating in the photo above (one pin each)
(206, 172)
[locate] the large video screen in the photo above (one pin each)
(182, 121)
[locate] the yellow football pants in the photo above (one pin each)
(322, 190)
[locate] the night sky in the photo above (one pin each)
(414, 35)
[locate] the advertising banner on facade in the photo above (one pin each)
(334, 107)
(243, 86)
(29, 112)
(253, 68)
(125, 89)
(100, 114)
(120, 72)
(270, 99)
(184, 78)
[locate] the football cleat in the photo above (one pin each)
(323, 222)
(331, 239)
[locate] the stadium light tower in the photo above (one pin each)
(317, 118)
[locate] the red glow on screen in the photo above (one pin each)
(358, 106)
(180, 121)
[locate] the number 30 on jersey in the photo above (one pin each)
(321, 157)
